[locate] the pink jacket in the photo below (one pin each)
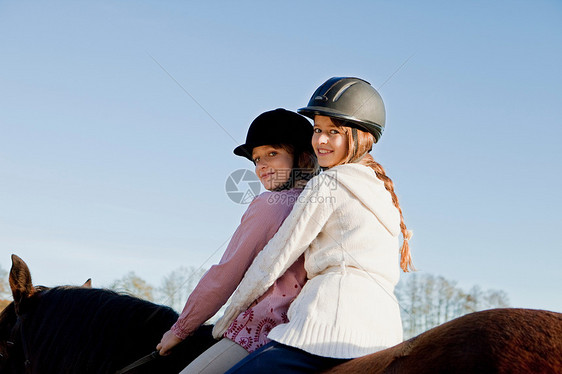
(259, 223)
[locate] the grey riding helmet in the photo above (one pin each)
(352, 100)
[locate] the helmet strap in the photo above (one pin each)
(355, 142)
(356, 146)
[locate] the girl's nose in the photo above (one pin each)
(322, 139)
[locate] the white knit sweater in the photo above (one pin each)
(348, 227)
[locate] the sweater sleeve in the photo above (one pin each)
(301, 227)
(259, 223)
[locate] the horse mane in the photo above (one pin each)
(76, 327)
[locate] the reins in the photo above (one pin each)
(141, 361)
(145, 359)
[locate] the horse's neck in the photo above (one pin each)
(74, 330)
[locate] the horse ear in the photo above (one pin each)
(20, 281)
(88, 283)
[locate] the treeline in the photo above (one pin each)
(173, 290)
(425, 300)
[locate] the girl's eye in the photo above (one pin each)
(256, 160)
(334, 132)
(272, 153)
(317, 130)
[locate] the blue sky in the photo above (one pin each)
(118, 121)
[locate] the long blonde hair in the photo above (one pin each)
(359, 147)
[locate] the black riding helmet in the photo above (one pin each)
(276, 127)
(352, 100)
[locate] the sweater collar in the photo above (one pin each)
(363, 183)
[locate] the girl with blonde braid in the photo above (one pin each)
(347, 223)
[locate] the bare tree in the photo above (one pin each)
(495, 299)
(134, 285)
(427, 301)
(4, 287)
(408, 294)
(5, 293)
(178, 285)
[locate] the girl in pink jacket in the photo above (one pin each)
(278, 143)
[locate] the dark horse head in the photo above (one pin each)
(85, 330)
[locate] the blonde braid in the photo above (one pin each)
(358, 151)
(405, 256)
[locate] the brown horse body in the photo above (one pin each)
(490, 341)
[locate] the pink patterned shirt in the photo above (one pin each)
(259, 223)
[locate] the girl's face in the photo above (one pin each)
(329, 142)
(273, 165)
